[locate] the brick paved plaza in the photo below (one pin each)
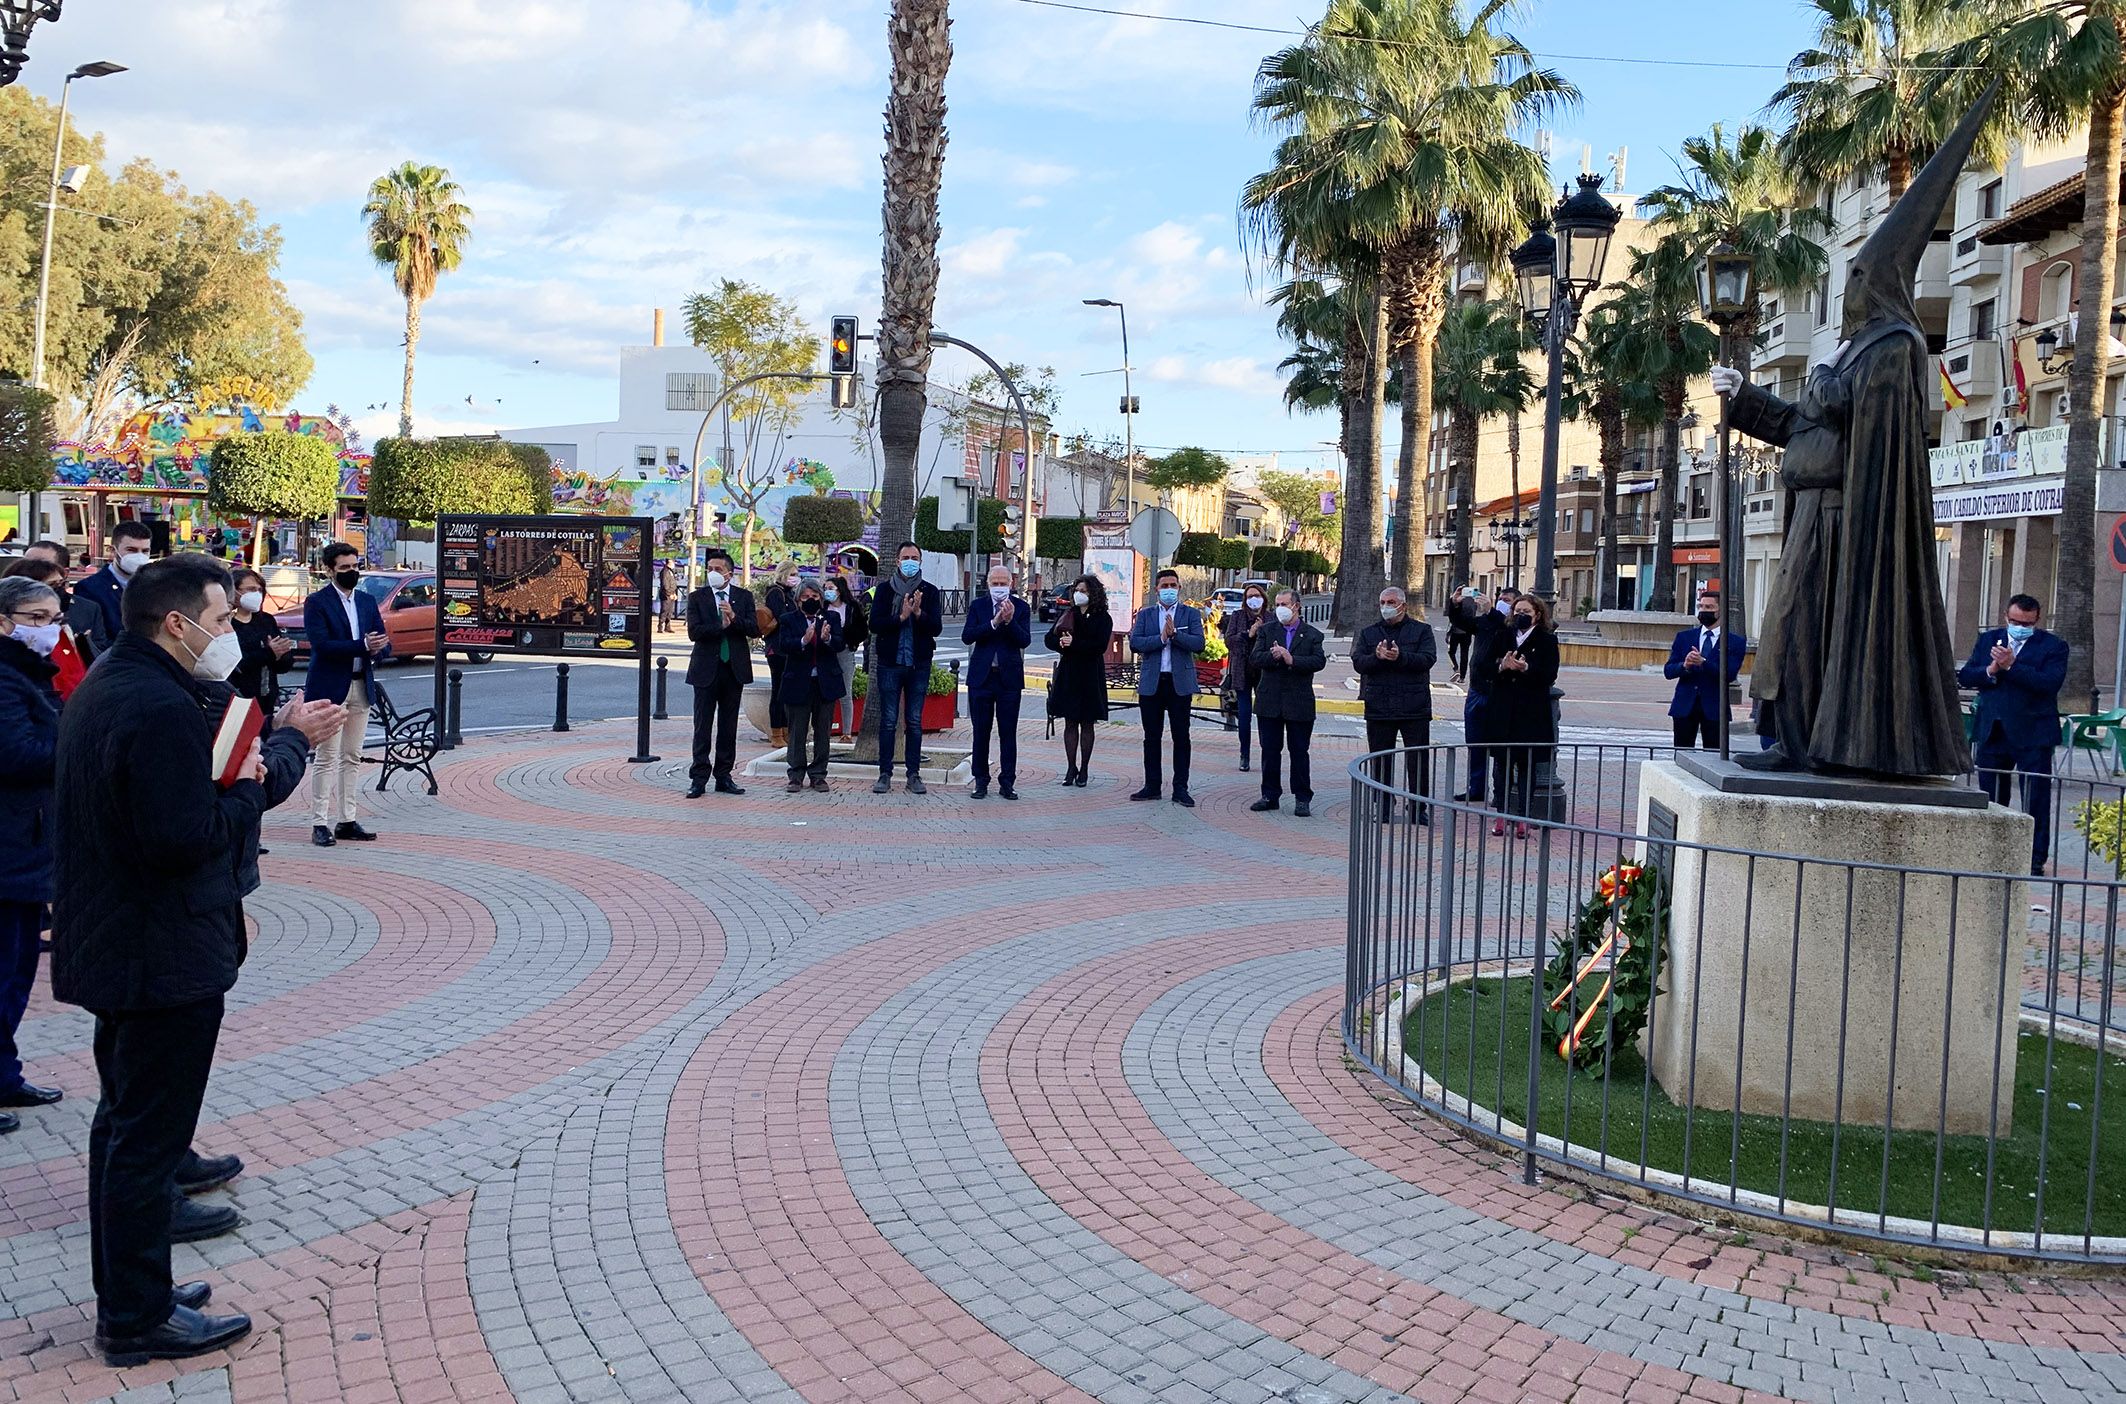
(572, 1089)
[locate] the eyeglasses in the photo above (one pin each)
(40, 617)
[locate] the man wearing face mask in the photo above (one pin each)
(779, 599)
(104, 589)
(1694, 662)
(722, 623)
(1394, 659)
(1166, 637)
(907, 615)
(1241, 628)
(1287, 656)
(148, 929)
(29, 736)
(347, 641)
(2018, 670)
(1000, 626)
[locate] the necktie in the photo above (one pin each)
(723, 650)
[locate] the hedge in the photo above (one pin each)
(1308, 563)
(1268, 560)
(418, 480)
(1060, 538)
(1234, 553)
(822, 521)
(291, 476)
(26, 434)
(1199, 548)
(989, 515)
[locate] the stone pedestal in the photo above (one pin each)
(1767, 958)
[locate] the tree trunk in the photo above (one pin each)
(1670, 452)
(2074, 593)
(258, 542)
(1422, 299)
(745, 548)
(1513, 460)
(1368, 574)
(1898, 173)
(1462, 428)
(413, 339)
(1611, 428)
(1361, 468)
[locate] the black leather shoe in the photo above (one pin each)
(187, 1333)
(9, 1122)
(1302, 810)
(1262, 806)
(263, 850)
(1081, 780)
(1147, 793)
(322, 836)
(28, 1095)
(353, 832)
(190, 1294)
(726, 787)
(697, 790)
(1007, 792)
(981, 791)
(1244, 763)
(191, 1222)
(196, 1173)
(1184, 799)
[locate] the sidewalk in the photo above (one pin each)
(570, 1088)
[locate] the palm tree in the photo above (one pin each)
(1478, 372)
(418, 228)
(1598, 389)
(919, 39)
(1661, 343)
(1869, 94)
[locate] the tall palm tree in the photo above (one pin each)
(1868, 95)
(1661, 343)
(919, 41)
(418, 228)
(1478, 372)
(1599, 389)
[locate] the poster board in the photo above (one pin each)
(1110, 559)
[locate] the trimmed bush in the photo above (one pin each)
(418, 480)
(988, 515)
(822, 521)
(26, 435)
(1268, 560)
(1198, 548)
(295, 477)
(1060, 538)
(1234, 553)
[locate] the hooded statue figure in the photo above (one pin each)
(1854, 667)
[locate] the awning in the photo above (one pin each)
(2040, 215)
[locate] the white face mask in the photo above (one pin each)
(714, 580)
(40, 639)
(219, 658)
(1388, 612)
(1000, 593)
(1255, 602)
(131, 562)
(251, 600)
(1080, 598)
(1284, 614)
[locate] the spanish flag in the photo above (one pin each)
(1950, 395)
(72, 667)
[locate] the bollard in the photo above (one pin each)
(454, 712)
(561, 697)
(658, 712)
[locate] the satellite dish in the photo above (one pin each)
(1156, 533)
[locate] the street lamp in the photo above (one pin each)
(17, 17)
(1556, 273)
(1727, 295)
(99, 69)
(1510, 532)
(1129, 407)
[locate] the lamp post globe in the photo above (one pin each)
(1727, 285)
(1727, 295)
(1535, 272)
(1584, 223)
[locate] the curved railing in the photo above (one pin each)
(1492, 979)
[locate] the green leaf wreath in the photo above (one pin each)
(1624, 922)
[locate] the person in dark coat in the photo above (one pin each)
(29, 737)
(1288, 653)
(1393, 659)
(268, 651)
(148, 930)
(1488, 626)
(779, 599)
(907, 615)
(1457, 635)
(809, 638)
(2018, 671)
(722, 625)
(1694, 663)
(1077, 688)
(1000, 626)
(1240, 629)
(105, 588)
(1521, 727)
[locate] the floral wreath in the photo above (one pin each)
(1624, 923)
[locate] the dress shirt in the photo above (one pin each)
(1166, 653)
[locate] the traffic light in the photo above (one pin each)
(841, 347)
(1009, 531)
(1131, 405)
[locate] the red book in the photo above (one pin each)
(240, 726)
(66, 656)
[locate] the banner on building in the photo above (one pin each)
(1986, 501)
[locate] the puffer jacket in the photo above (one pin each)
(29, 738)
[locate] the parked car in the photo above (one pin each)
(1227, 598)
(407, 600)
(1053, 603)
(287, 586)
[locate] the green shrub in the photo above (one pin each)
(418, 480)
(989, 515)
(276, 474)
(1060, 538)
(822, 521)
(1198, 548)
(1268, 560)
(1234, 553)
(26, 435)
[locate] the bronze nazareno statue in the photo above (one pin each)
(1854, 666)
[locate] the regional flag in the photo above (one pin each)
(66, 656)
(1950, 395)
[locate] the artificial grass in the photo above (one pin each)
(1474, 1040)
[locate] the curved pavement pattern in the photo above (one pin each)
(572, 1089)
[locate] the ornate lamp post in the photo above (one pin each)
(1727, 293)
(17, 17)
(1556, 274)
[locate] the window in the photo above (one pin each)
(1989, 201)
(689, 390)
(1983, 326)
(1823, 300)
(1565, 519)
(1587, 520)
(671, 456)
(645, 455)
(415, 593)
(1700, 502)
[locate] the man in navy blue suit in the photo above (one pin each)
(1000, 626)
(129, 552)
(347, 640)
(1694, 662)
(2018, 671)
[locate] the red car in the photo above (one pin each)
(407, 600)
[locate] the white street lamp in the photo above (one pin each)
(101, 69)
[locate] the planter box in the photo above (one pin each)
(939, 713)
(1210, 675)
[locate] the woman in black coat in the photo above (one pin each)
(268, 651)
(29, 740)
(1518, 721)
(1077, 692)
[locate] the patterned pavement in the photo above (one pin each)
(573, 1089)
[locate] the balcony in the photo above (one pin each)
(1788, 341)
(1972, 262)
(1469, 278)
(1976, 369)
(1932, 284)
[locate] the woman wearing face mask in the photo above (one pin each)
(1518, 720)
(855, 619)
(268, 651)
(29, 738)
(1077, 692)
(1240, 629)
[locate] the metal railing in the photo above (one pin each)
(1900, 1052)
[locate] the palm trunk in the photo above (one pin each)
(1612, 432)
(413, 339)
(1897, 162)
(1513, 460)
(1370, 572)
(2074, 592)
(1670, 452)
(1462, 428)
(1427, 309)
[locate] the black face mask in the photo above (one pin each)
(1524, 621)
(347, 579)
(810, 606)
(1708, 617)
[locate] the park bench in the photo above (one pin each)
(409, 740)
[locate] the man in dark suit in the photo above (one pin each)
(2018, 671)
(1167, 638)
(1000, 626)
(1288, 653)
(722, 625)
(1694, 662)
(1490, 635)
(1393, 659)
(148, 928)
(129, 553)
(347, 640)
(907, 615)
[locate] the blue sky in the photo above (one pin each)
(621, 154)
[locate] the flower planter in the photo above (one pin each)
(939, 712)
(1210, 675)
